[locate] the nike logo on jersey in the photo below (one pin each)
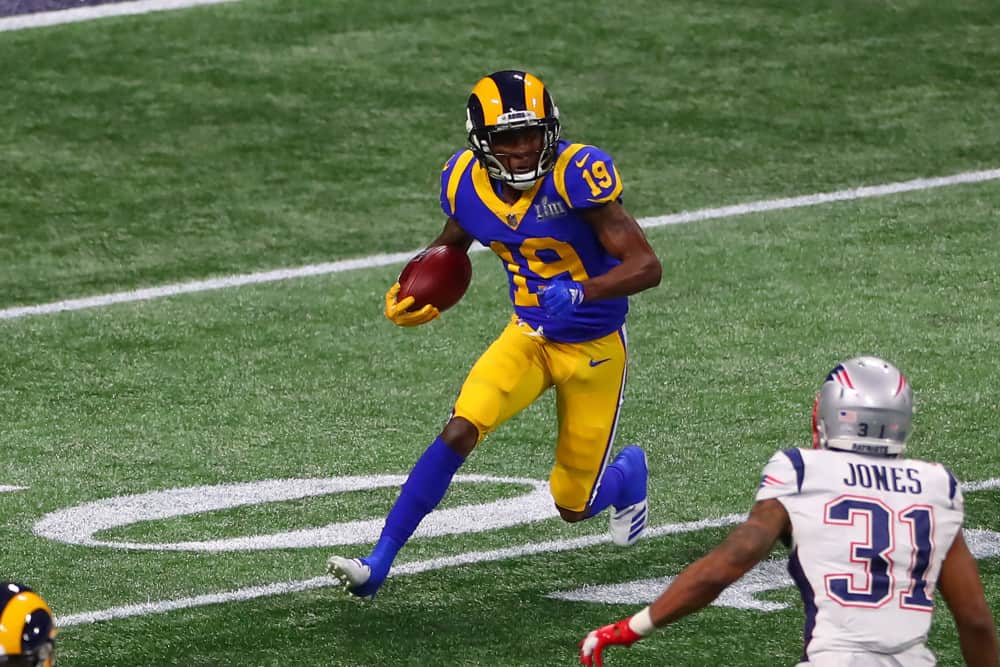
(598, 362)
(582, 161)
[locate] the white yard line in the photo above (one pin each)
(985, 485)
(149, 293)
(824, 197)
(42, 19)
(414, 567)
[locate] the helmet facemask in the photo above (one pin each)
(482, 141)
(41, 656)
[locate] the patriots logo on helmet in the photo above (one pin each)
(864, 406)
(841, 376)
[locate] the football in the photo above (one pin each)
(438, 276)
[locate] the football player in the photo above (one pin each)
(551, 210)
(872, 534)
(27, 633)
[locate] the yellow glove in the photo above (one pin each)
(400, 316)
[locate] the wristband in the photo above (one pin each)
(641, 623)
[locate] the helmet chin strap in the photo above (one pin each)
(523, 185)
(527, 179)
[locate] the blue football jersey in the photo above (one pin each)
(542, 237)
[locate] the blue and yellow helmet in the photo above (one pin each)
(27, 630)
(507, 101)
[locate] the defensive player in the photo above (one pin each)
(872, 536)
(27, 633)
(551, 210)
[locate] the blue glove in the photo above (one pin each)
(561, 298)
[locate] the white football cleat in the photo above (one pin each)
(351, 574)
(628, 523)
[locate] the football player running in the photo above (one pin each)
(872, 536)
(551, 210)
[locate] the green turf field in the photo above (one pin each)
(179, 146)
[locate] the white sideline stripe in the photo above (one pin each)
(150, 293)
(372, 261)
(824, 198)
(414, 567)
(42, 19)
(968, 487)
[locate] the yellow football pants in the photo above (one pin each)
(589, 379)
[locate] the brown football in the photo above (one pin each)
(439, 276)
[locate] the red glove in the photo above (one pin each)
(596, 640)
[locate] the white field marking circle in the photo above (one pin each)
(225, 282)
(79, 524)
(403, 569)
(983, 545)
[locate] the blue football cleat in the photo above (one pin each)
(630, 516)
(356, 576)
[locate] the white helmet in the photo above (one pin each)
(864, 406)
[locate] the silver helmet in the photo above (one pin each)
(864, 406)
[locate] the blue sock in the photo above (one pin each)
(423, 490)
(612, 485)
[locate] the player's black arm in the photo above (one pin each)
(702, 581)
(962, 590)
(452, 234)
(621, 236)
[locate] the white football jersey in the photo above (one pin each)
(869, 535)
